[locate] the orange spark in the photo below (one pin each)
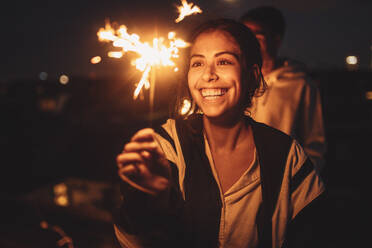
(187, 9)
(116, 55)
(95, 60)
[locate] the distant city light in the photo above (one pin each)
(60, 195)
(369, 95)
(63, 79)
(351, 60)
(43, 75)
(47, 104)
(61, 201)
(95, 60)
(60, 188)
(44, 224)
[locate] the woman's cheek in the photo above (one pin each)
(192, 78)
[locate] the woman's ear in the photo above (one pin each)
(261, 85)
(257, 84)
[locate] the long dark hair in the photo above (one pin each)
(250, 61)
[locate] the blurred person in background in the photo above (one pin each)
(292, 101)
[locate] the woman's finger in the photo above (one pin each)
(140, 146)
(146, 134)
(140, 177)
(134, 178)
(129, 158)
(129, 170)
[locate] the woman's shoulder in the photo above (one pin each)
(261, 125)
(276, 139)
(264, 133)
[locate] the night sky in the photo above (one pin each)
(60, 36)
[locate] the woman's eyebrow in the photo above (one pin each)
(227, 52)
(216, 55)
(196, 55)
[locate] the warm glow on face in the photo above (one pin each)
(149, 55)
(187, 9)
(95, 60)
(351, 60)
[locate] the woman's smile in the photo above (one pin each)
(212, 93)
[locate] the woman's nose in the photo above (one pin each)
(209, 74)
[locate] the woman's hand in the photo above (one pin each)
(143, 165)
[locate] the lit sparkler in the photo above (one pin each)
(157, 54)
(150, 55)
(187, 9)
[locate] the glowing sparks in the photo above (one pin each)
(116, 55)
(149, 55)
(95, 60)
(187, 9)
(186, 106)
(156, 54)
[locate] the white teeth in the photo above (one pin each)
(213, 92)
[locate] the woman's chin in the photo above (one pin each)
(212, 113)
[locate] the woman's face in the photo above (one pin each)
(214, 76)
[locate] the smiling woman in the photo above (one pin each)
(215, 177)
(235, 52)
(214, 74)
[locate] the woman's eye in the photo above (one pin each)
(224, 62)
(196, 64)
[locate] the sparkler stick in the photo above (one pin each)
(152, 83)
(151, 56)
(152, 94)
